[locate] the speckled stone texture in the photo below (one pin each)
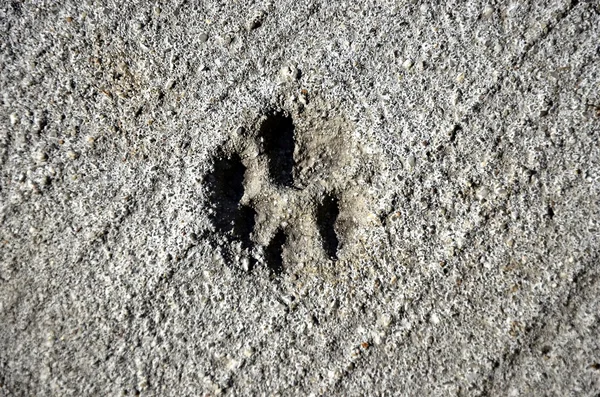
(300, 198)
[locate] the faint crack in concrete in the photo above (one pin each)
(582, 284)
(517, 62)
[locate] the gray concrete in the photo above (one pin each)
(296, 198)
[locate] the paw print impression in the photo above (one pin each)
(288, 192)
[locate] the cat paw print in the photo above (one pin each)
(288, 191)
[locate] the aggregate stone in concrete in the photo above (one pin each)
(300, 198)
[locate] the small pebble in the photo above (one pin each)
(203, 37)
(245, 262)
(460, 78)
(378, 338)
(407, 64)
(385, 320)
(483, 193)
(227, 39)
(14, 119)
(411, 160)
(41, 157)
(72, 155)
(248, 352)
(488, 11)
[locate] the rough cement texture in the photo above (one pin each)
(300, 198)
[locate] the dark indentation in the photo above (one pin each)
(244, 225)
(255, 23)
(327, 214)
(455, 130)
(274, 253)
(550, 212)
(277, 133)
(226, 184)
(530, 174)
(546, 350)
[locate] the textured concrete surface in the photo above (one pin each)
(299, 197)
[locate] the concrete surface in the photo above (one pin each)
(299, 198)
